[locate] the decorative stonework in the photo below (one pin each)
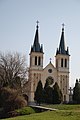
(53, 73)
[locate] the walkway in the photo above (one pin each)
(43, 108)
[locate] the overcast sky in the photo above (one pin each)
(18, 24)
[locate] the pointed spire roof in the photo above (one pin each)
(62, 43)
(36, 45)
(62, 48)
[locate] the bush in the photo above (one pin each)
(20, 102)
(11, 100)
(22, 111)
(25, 111)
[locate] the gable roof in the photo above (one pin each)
(49, 65)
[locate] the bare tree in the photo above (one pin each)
(13, 69)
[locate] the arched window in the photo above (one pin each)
(62, 62)
(65, 62)
(35, 60)
(39, 61)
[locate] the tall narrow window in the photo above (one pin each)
(35, 60)
(56, 62)
(66, 84)
(39, 61)
(62, 62)
(64, 98)
(65, 62)
(61, 82)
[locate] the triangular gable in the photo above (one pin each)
(50, 65)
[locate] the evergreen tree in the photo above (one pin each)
(46, 85)
(48, 93)
(57, 94)
(38, 97)
(76, 92)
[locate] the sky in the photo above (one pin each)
(18, 24)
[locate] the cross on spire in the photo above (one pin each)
(50, 60)
(63, 26)
(37, 24)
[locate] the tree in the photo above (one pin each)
(57, 94)
(46, 84)
(52, 95)
(76, 92)
(38, 96)
(13, 69)
(48, 93)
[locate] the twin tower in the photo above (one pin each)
(53, 73)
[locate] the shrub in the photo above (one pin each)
(11, 100)
(20, 102)
(25, 111)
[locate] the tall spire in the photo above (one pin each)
(36, 45)
(62, 49)
(62, 42)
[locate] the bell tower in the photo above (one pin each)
(36, 64)
(36, 53)
(62, 66)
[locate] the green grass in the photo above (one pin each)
(25, 111)
(64, 106)
(65, 112)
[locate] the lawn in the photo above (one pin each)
(64, 106)
(65, 112)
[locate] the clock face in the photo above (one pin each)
(50, 70)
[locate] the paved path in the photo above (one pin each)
(43, 108)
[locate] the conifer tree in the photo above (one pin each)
(38, 97)
(57, 94)
(46, 85)
(76, 92)
(48, 93)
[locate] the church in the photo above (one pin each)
(54, 73)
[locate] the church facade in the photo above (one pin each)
(54, 73)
